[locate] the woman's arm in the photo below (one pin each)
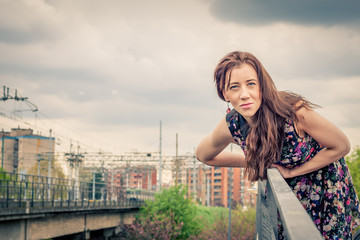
(211, 149)
(336, 144)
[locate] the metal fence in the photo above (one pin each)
(276, 203)
(19, 191)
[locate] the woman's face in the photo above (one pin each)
(243, 91)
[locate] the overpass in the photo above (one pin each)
(35, 207)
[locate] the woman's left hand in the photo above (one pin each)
(285, 172)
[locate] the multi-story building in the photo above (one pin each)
(142, 179)
(21, 149)
(211, 186)
(179, 173)
(131, 178)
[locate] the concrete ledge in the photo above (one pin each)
(14, 214)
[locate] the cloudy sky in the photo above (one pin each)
(105, 73)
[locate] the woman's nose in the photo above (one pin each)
(244, 94)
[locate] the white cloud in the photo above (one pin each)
(113, 69)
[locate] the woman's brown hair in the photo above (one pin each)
(266, 132)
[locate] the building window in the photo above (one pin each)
(217, 180)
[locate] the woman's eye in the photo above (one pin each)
(251, 83)
(233, 87)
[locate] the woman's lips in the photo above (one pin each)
(246, 105)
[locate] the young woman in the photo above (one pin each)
(281, 129)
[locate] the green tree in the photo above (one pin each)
(353, 163)
(172, 203)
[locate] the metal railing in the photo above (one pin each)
(20, 191)
(276, 203)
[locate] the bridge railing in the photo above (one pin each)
(276, 203)
(20, 191)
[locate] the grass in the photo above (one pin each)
(208, 215)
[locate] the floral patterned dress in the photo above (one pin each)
(328, 194)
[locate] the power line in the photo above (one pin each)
(7, 95)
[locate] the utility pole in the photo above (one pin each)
(49, 166)
(149, 179)
(208, 187)
(50, 152)
(78, 161)
(2, 149)
(71, 164)
(230, 201)
(176, 163)
(242, 186)
(160, 160)
(127, 174)
(194, 178)
(188, 175)
(74, 159)
(93, 185)
(38, 188)
(112, 184)
(230, 196)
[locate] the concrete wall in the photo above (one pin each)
(60, 224)
(13, 230)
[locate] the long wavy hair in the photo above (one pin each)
(266, 132)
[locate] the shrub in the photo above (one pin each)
(242, 225)
(353, 163)
(170, 211)
(158, 227)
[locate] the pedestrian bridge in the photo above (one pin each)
(35, 207)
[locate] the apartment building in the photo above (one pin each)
(133, 178)
(211, 186)
(21, 149)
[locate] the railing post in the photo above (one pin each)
(43, 197)
(82, 195)
(69, 195)
(32, 194)
(52, 191)
(20, 193)
(7, 193)
(61, 195)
